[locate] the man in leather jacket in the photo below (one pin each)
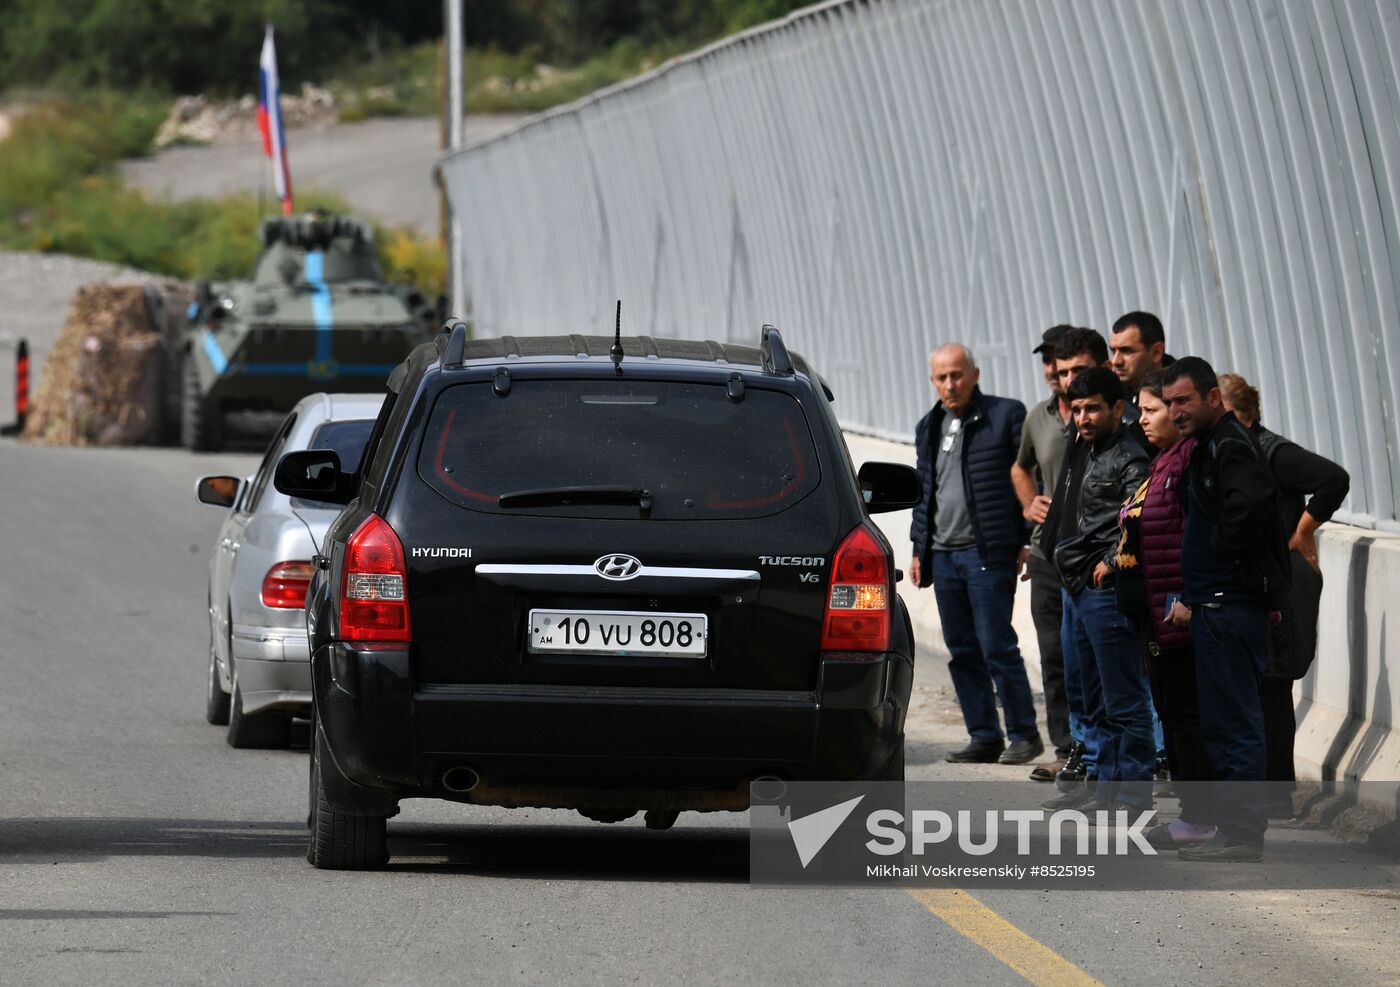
(1235, 567)
(1105, 467)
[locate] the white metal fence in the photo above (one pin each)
(879, 177)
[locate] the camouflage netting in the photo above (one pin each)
(102, 382)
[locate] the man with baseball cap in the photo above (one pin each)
(1044, 439)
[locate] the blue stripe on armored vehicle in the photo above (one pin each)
(316, 311)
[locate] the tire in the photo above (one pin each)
(201, 428)
(216, 700)
(340, 840)
(258, 731)
(314, 783)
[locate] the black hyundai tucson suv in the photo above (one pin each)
(613, 575)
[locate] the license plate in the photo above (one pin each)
(618, 632)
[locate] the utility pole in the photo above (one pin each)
(455, 108)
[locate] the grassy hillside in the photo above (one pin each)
(99, 76)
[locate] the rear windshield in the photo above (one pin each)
(348, 439)
(698, 454)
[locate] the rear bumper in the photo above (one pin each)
(567, 746)
(273, 668)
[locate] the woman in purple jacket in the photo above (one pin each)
(1152, 523)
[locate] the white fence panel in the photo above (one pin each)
(879, 177)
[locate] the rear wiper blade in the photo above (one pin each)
(569, 496)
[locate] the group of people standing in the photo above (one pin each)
(1169, 540)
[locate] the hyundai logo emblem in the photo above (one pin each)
(618, 567)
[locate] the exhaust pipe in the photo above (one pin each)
(460, 780)
(767, 788)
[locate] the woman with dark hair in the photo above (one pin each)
(1300, 474)
(1153, 523)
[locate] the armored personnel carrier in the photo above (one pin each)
(316, 316)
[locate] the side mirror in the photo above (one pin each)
(218, 491)
(889, 487)
(313, 474)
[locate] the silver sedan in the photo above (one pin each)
(259, 668)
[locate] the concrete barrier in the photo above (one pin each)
(1347, 736)
(1348, 743)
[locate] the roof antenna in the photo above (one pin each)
(616, 351)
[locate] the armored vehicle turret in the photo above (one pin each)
(317, 315)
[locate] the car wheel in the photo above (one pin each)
(339, 840)
(216, 700)
(272, 728)
(200, 425)
(313, 782)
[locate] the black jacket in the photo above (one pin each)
(1112, 473)
(1302, 474)
(1230, 478)
(991, 440)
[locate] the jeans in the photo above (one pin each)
(1117, 699)
(1074, 691)
(1232, 653)
(1048, 613)
(1280, 724)
(974, 597)
(1173, 677)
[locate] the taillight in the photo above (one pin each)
(284, 587)
(373, 598)
(858, 600)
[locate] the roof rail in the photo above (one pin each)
(775, 354)
(456, 333)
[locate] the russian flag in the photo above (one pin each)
(270, 121)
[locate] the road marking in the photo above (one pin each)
(1030, 958)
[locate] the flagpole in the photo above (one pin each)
(456, 111)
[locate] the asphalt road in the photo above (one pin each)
(383, 167)
(135, 845)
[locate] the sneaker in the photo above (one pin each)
(1072, 775)
(1022, 752)
(1162, 781)
(975, 753)
(1079, 798)
(1219, 848)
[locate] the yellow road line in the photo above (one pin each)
(1030, 958)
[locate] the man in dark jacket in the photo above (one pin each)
(1311, 489)
(1137, 347)
(968, 536)
(1235, 568)
(1105, 468)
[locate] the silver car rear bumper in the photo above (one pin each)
(274, 668)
